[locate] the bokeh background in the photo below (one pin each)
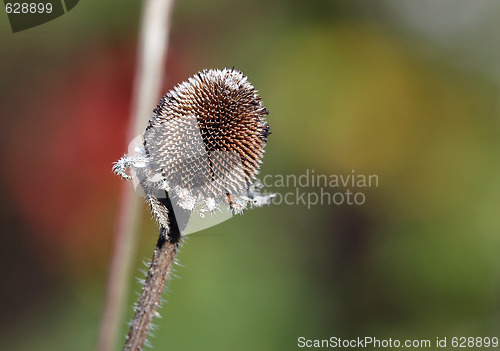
(406, 90)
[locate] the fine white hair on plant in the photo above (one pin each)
(203, 145)
(201, 151)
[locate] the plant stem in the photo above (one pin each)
(161, 265)
(159, 270)
(152, 52)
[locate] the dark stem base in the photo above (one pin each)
(159, 270)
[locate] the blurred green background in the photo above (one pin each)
(406, 90)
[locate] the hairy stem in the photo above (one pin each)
(159, 270)
(161, 265)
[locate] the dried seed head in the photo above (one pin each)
(205, 141)
(209, 131)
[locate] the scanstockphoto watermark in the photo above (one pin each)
(26, 14)
(312, 188)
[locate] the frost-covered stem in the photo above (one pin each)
(152, 51)
(161, 265)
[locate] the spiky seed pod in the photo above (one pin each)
(205, 130)
(205, 141)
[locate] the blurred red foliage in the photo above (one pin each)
(69, 126)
